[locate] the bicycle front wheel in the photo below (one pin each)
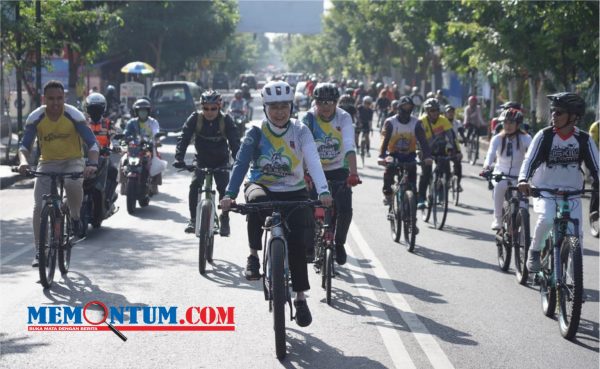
(594, 224)
(426, 212)
(277, 254)
(521, 245)
(409, 216)
(394, 216)
(570, 293)
(204, 234)
(328, 274)
(454, 190)
(49, 236)
(474, 149)
(440, 203)
(547, 289)
(64, 250)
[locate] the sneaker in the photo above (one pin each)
(459, 188)
(36, 260)
(191, 226)
(496, 225)
(340, 254)
(252, 272)
(303, 316)
(533, 261)
(421, 204)
(224, 231)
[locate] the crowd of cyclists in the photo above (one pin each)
(281, 158)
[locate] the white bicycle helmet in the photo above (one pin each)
(277, 91)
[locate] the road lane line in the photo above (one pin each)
(429, 345)
(14, 255)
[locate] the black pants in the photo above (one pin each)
(426, 172)
(457, 165)
(388, 178)
(220, 178)
(299, 237)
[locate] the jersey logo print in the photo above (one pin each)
(328, 147)
(275, 164)
(563, 156)
(56, 136)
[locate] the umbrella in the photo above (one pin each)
(137, 67)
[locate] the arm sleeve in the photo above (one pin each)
(387, 135)
(28, 136)
(420, 135)
(490, 157)
(312, 160)
(87, 135)
(242, 161)
(479, 117)
(185, 137)
(232, 136)
(347, 134)
(590, 158)
(532, 156)
(466, 115)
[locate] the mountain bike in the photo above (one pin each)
(473, 146)
(561, 274)
(207, 221)
(56, 230)
(437, 192)
(276, 275)
(514, 234)
(402, 210)
(325, 248)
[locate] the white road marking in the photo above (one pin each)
(15, 254)
(429, 345)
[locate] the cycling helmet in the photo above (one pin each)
(511, 114)
(472, 99)
(237, 93)
(361, 85)
(448, 108)
(110, 89)
(348, 91)
(367, 100)
(244, 85)
(512, 105)
(405, 100)
(141, 104)
(277, 91)
(572, 102)
(346, 99)
(396, 104)
(95, 106)
(379, 86)
(431, 104)
(210, 97)
(430, 95)
(326, 92)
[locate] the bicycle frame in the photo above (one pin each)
(209, 193)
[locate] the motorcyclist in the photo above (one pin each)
(95, 107)
(215, 139)
(237, 106)
(112, 100)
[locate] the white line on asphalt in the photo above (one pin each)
(429, 345)
(14, 255)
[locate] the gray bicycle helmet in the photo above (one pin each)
(210, 97)
(431, 104)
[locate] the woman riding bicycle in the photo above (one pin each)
(278, 151)
(508, 148)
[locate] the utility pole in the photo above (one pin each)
(38, 56)
(19, 72)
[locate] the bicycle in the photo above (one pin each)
(363, 146)
(472, 146)
(454, 192)
(402, 210)
(325, 248)
(514, 234)
(56, 230)
(207, 221)
(276, 276)
(437, 192)
(561, 274)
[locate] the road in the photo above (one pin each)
(447, 305)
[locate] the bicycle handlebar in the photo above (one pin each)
(33, 173)
(536, 192)
(191, 168)
(255, 207)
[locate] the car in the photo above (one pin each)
(293, 78)
(220, 81)
(301, 100)
(248, 78)
(173, 102)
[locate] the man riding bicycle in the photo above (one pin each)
(60, 129)
(278, 150)
(553, 160)
(472, 119)
(459, 131)
(440, 136)
(216, 139)
(333, 132)
(364, 123)
(400, 135)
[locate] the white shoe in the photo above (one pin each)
(496, 225)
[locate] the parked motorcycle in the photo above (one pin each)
(139, 170)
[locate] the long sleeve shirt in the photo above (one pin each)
(508, 156)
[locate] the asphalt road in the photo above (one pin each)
(447, 305)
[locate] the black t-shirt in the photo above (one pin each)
(365, 117)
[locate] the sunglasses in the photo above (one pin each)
(210, 109)
(433, 111)
(557, 112)
(326, 102)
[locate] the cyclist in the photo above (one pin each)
(333, 132)
(400, 135)
(553, 160)
(60, 129)
(440, 136)
(95, 106)
(346, 103)
(508, 149)
(215, 139)
(145, 126)
(364, 122)
(459, 131)
(472, 119)
(496, 124)
(383, 104)
(278, 150)
(360, 93)
(393, 109)
(594, 200)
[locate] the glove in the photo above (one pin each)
(179, 164)
(353, 180)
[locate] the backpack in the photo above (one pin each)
(200, 124)
(546, 145)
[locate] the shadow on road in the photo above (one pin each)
(229, 275)
(17, 345)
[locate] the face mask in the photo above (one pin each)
(143, 115)
(403, 115)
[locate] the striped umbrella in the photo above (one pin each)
(137, 67)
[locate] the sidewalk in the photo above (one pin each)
(7, 178)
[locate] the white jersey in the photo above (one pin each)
(508, 159)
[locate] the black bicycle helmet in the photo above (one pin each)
(512, 105)
(572, 102)
(326, 92)
(346, 99)
(431, 104)
(210, 97)
(141, 104)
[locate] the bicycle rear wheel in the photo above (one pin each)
(49, 236)
(64, 250)
(204, 234)
(426, 212)
(547, 290)
(409, 216)
(570, 294)
(440, 203)
(454, 189)
(328, 274)
(474, 149)
(394, 216)
(521, 245)
(277, 251)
